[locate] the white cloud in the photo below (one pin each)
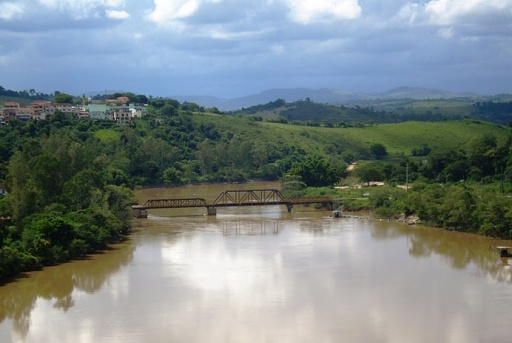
(82, 3)
(170, 10)
(113, 14)
(447, 12)
(299, 11)
(218, 33)
(311, 11)
(82, 9)
(408, 14)
(11, 10)
(274, 43)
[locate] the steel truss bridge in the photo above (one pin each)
(256, 197)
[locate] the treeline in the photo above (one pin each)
(498, 112)
(30, 94)
(65, 199)
(464, 206)
(167, 148)
(309, 113)
(176, 150)
(272, 105)
(460, 190)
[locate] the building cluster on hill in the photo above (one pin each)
(118, 110)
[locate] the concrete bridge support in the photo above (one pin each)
(139, 211)
(211, 211)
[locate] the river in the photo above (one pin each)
(261, 274)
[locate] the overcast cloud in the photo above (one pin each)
(231, 48)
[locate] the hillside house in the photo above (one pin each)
(98, 111)
(39, 109)
(122, 115)
(117, 110)
(10, 110)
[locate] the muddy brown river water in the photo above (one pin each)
(261, 274)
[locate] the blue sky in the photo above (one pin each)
(231, 48)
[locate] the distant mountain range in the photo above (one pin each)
(327, 96)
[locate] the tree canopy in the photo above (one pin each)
(63, 98)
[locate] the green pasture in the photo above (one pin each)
(397, 138)
(107, 134)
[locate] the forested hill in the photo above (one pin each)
(382, 111)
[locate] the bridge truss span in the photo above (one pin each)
(250, 197)
(175, 203)
(234, 198)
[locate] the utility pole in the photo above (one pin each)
(407, 178)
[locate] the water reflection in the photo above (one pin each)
(262, 274)
(458, 250)
(58, 283)
(250, 228)
(320, 279)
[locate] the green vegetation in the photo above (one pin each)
(66, 198)
(464, 190)
(305, 112)
(24, 96)
(69, 180)
(63, 98)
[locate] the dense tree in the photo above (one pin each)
(23, 191)
(495, 215)
(60, 200)
(315, 171)
(292, 185)
(387, 200)
(378, 150)
(30, 94)
(205, 157)
(63, 98)
(422, 150)
(157, 103)
(168, 110)
(192, 106)
(481, 154)
(172, 176)
(369, 172)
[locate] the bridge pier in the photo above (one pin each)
(211, 211)
(289, 207)
(139, 211)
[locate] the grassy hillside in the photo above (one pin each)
(397, 138)
(491, 109)
(449, 135)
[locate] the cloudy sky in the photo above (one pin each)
(231, 48)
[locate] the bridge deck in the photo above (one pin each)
(174, 203)
(256, 197)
